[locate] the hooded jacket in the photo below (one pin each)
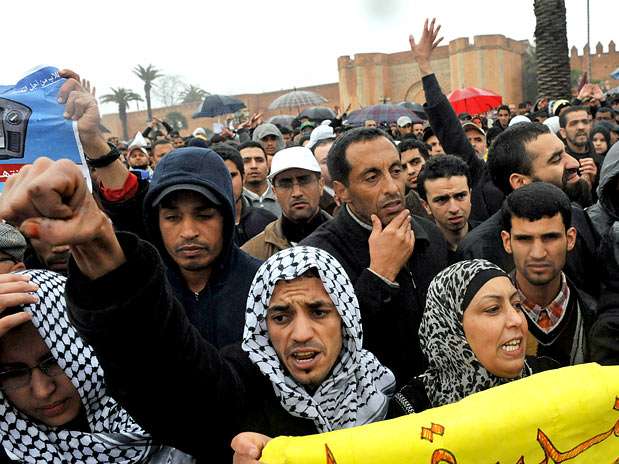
(218, 311)
(265, 129)
(606, 210)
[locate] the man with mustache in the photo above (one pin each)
(537, 232)
(389, 256)
(190, 215)
(297, 184)
(575, 129)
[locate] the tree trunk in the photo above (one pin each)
(149, 111)
(553, 62)
(122, 114)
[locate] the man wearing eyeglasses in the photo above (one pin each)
(296, 181)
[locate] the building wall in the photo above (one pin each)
(602, 64)
(492, 62)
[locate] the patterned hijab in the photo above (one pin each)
(358, 388)
(454, 371)
(114, 437)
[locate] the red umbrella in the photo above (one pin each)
(473, 100)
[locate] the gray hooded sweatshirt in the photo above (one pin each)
(265, 129)
(606, 211)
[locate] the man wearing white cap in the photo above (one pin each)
(297, 184)
(405, 126)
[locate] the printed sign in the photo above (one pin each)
(569, 414)
(32, 124)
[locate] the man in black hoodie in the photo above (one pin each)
(187, 212)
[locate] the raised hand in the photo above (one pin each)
(81, 106)
(422, 50)
(50, 200)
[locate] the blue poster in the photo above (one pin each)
(32, 123)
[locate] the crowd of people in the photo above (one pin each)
(275, 281)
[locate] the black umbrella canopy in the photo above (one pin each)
(317, 113)
(416, 108)
(217, 105)
(282, 120)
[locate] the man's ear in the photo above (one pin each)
(321, 184)
(341, 191)
(563, 133)
(571, 238)
(425, 205)
(507, 243)
(517, 180)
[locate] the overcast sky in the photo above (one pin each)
(230, 47)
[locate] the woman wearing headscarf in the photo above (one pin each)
(473, 334)
(54, 407)
(600, 139)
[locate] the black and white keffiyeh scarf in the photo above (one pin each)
(114, 436)
(358, 389)
(454, 371)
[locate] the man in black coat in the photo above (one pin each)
(390, 256)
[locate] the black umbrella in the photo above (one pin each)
(282, 120)
(217, 105)
(317, 113)
(415, 108)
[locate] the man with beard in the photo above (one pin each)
(503, 115)
(526, 153)
(390, 256)
(575, 129)
(537, 233)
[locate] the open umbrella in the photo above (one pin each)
(416, 108)
(473, 100)
(317, 113)
(384, 112)
(282, 120)
(297, 99)
(217, 105)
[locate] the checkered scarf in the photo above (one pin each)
(358, 388)
(114, 437)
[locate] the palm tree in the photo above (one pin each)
(147, 74)
(193, 93)
(553, 61)
(122, 97)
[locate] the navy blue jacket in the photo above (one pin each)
(218, 311)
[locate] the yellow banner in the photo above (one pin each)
(569, 414)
